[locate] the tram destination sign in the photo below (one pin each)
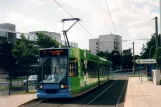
(53, 52)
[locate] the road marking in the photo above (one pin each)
(121, 94)
(99, 94)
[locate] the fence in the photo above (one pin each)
(18, 85)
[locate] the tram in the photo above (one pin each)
(70, 72)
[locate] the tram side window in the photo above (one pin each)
(73, 67)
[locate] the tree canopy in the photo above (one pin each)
(45, 41)
(148, 47)
(114, 57)
(24, 51)
(127, 59)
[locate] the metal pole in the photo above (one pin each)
(65, 34)
(98, 65)
(156, 37)
(27, 82)
(133, 60)
(10, 83)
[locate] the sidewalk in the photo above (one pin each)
(15, 100)
(144, 94)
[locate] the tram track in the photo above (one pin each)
(119, 97)
(90, 99)
(99, 94)
(117, 104)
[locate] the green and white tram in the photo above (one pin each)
(71, 72)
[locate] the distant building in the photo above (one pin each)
(72, 44)
(106, 43)
(56, 36)
(10, 37)
(93, 45)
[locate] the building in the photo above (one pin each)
(93, 45)
(8, 36)
(56, 36)
(72, 44)
(106, 43)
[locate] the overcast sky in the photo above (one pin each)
(132, 18)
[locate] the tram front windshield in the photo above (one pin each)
(54, 70)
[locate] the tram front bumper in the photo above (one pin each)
(55, 95)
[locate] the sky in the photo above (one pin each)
(133, 19)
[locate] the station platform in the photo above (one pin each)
(145, 94)
(15, 100)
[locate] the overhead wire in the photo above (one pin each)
(73, 17)
(110, 16)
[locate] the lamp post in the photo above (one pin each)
(150, 50)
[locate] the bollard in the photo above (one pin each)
(156, 77)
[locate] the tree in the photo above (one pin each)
(148, 47)
(103, 54)
(6, 57)
(158, 51)
(127, 59)
(45, 41)
(24, 52)
(114, 57)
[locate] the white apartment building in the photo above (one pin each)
(93, 45)
(106, 43)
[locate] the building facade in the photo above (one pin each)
(106, 43)
(72, 44)
(56, 36)
(93, 47)
(7, 36)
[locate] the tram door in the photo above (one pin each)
(73, 67)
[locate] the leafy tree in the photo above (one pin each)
(103, 54)
(137, 57)
(127, 59)
(148, 47)
(114, 57)
(7, 60)
(158, 51)
(45, 41)
(24, 52)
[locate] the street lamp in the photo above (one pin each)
(150, 50)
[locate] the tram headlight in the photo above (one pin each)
(39, 86)
(64, 86)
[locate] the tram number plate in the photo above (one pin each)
(53, 52)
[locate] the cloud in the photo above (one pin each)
(23, 22)
(132, 18)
